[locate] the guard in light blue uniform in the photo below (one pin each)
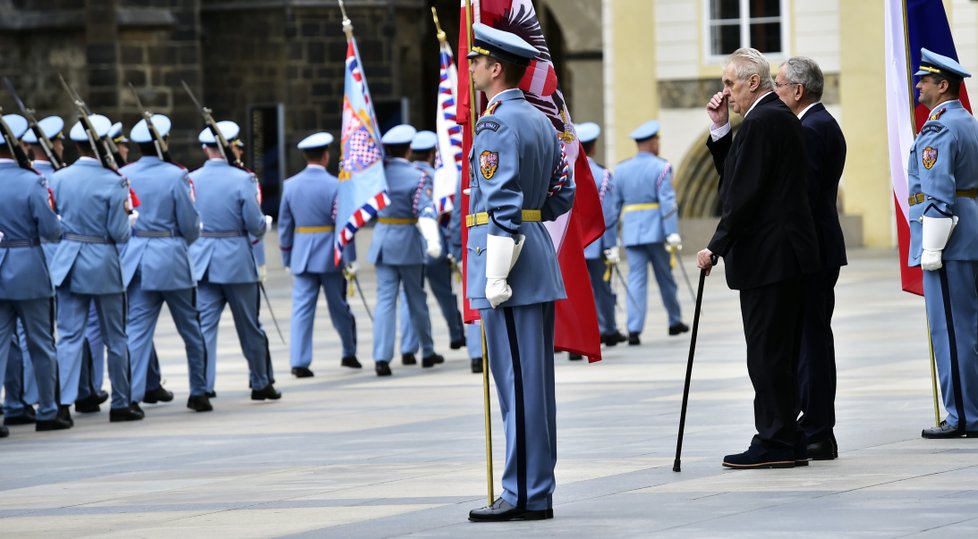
(943, 184)
(306, 225)
(406, 230)
(473, 331)
(649, 222)
(20, 392)
(93, 202)
(519, 179)
(224, 262)
(438, 271)
(156, 263)
(602, 253)
(26, 295)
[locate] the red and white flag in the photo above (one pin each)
(576, 327)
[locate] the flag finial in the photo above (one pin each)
(347, 23)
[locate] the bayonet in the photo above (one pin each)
(161, 147)
(42, 139)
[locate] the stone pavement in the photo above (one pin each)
(348, 455)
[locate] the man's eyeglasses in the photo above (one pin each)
(783, 84)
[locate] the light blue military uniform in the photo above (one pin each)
(398, 249)
(597, 267)
(87, 267)
(438, 271)
(156, 264)
(224, 262)
(473, 331)
(943, 182)
(26, 294)
(645, 198)
(306, 227)
(519, 180)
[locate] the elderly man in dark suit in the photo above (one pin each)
(799, 84)
(767, 240)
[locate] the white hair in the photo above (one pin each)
(748, 61)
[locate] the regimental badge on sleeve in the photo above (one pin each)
(929, 157)
(488, 163)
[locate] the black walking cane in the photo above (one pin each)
(689, 363)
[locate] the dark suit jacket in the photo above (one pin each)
(766, 233)
(826, 148)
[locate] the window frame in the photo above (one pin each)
(744, 23)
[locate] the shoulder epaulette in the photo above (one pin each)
(937, 115)
(491, 109)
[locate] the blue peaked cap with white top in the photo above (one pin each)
(501, 45)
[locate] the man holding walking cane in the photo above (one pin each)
(766, 237)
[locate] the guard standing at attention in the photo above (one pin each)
(306, 228)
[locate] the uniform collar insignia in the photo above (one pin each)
(491, 109)
(937, 115)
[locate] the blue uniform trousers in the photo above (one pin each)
(144, 312)
(37, 318)
(93, 359)
(960, 317)
(639, 258)
(19, 387)
(72, 321)
(244, 301)
(816, 363)
(473, 340)
(438, 273)
(521, 357)
(305, 295)
(604, 298)
(389, 279)
(153, 377)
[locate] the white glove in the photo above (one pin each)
(1, 235)
(262, 273)
(674, 241)
(429, 230)
(612, 255)
(268, 223)
(132, 217)
(350, 270)
(501, 254)
(934, 235)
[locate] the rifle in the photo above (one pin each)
(103, 147)
(161, 148)
(42, 140)
(222, 144)
(14, 144)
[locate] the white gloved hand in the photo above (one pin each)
(1, 235)
(429, 230)
(262, 273)
(132, 217)
(935, 232)
(350, 270)
(673, 240)
(612, 255)
(501, 253)
(268, 223)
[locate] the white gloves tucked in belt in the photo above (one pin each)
(934, 235)
(501, 255)
(132, 217)
(429, 230)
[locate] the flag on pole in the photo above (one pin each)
(448, 167)
(576, 323)
(363, 186)
(910, 25)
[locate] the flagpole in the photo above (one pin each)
(473, 117)
(439, 33)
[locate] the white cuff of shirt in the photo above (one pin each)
(720, 132)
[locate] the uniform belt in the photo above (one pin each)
(86, 239)
(640, 207)
(156, 233)
(221, 234)
(13, 244)
(482, 218)
(314, 229)
(962, 193)
(397, 220)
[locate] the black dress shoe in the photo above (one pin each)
(408, 359)
(51, 424)
(633, 339)
(4, 431)
(89, 404)
(757, 456)
(431, 361)
(826, 449)
(676, 329)
(351, 362)
(157, 395)
(574, 357)
(129, 413)
(22, 419)
(64, 412)
(455, 345)
(199, 403)
(945, 430)
(477, 365)
(302, 372)
(382, 368)
(211, 394)
(266, 393)
(502, 511)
